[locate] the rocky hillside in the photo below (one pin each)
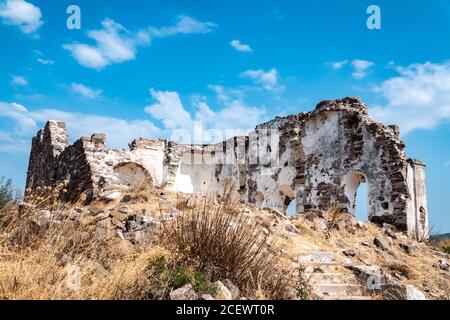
(154, 244)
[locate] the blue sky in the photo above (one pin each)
(151, 68)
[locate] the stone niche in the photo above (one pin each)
(314, 159)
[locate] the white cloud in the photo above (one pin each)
(85, 91)
(88, 56)
(201, 125)
(119, 132)
(19, 81)
(361, 67)
(20, 13)
(183, 25)
(418, 98)
(169, 110)
(226, 94)
(42, 59)
(4, 136)
(45, 61)
(267, 79)
(204, 125)
(336, 65)
(236, 44)
(115, 44)
(25, 124)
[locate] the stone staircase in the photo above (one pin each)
(331, 279)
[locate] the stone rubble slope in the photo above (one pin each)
(344, 260)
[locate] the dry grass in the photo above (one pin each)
(37, 259)
(402, 269)
(41, 258)
(225, 243)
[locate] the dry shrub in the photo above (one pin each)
(333, 215)
(403, 269)
(444, 245)
(227, 244)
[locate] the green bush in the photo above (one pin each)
(166, 275)
(181, 276)
(8, 195)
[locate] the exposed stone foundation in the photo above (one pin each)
(318, 159)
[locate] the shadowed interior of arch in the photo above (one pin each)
(132, 174)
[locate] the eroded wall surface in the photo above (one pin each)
(316, 159)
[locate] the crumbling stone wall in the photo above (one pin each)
(317, 159)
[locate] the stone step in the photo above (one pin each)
(311, 267)
(316, 257)
(339, 290)
(329, 278)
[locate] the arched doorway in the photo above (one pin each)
(290, 204)
(356, 191)
(132, 174)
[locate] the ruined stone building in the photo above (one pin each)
(317, 159)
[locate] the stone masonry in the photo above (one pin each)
(317, 159)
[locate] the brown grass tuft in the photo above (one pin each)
(225, 243)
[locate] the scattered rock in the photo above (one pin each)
(235, 292)
(381, 243)
(101, 216)
(79, 210)
(119, 215)
(366, 272)
(222, 292)
(265, 231)
(443, 265)
(320, 225)
(402, 292)
(118, 223)
(390, 233)
(127, 198)
(341, 225)
(292, 229)
(349, 252)
(206, 297)
(112, 196)
(406, 247)
(184, 293)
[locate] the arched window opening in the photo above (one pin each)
(361, 204)
(356, 190)
(292, 208)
